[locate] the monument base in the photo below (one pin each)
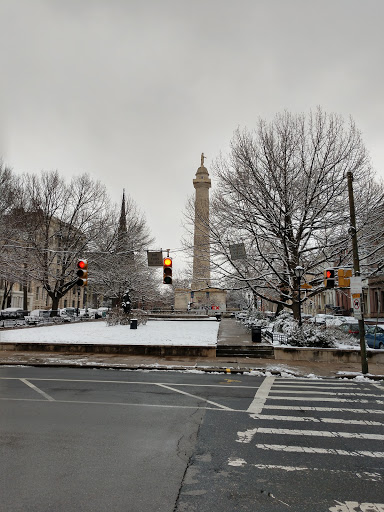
(210, 300)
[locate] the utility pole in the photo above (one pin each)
(356, 268)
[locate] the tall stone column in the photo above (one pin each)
(201, 253)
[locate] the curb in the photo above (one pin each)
(224, 370)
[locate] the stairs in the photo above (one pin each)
(258, 350)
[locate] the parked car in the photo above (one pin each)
(338, 320)
(12, 313)
(67, 314)
(351, 328)
(92, 312)
(374, 336)
(321, 318)
(36, 316)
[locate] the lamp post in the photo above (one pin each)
(299, 271)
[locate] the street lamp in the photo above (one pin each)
(299, 271)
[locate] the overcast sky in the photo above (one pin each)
(133, 91)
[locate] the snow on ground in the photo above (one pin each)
(164, 332)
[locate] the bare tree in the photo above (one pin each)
(282, 191)
(57, 223)
(9, 198)
(119, 257)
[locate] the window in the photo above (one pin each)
(37, 293)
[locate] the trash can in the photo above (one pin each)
(218, 316)
(134, 323)
(256, 333)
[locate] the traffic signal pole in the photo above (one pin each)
(356, 268)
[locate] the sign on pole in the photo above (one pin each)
(238, 251)
(356, 284)
(356, 306)
(155, 258)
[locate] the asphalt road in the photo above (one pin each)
(102, 440)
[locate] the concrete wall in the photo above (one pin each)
(147, 350)
(328, 355)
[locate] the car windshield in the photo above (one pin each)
(372, 329)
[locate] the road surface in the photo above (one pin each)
(101, 440)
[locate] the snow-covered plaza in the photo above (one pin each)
(162, 332)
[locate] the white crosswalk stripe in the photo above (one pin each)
(299, 404)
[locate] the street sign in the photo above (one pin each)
(155, 258)
(238, 251)
(356, 284)
(356, 306)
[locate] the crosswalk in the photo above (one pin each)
(321, 428)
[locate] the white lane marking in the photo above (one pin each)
(364, 475)
(323, 409)
(325, 451)
(322, 382)
(315, 420)
(261, 396)
(323, 399)
(316, 433)
(194, 396)
(280, 384)
(328, 393)
(136, 382)
(48, 397)
(120, 403)
(355, 506)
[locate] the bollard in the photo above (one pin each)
(134, 323)
(256, 333)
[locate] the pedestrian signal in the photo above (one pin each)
(82, 273)
(167, 270)
(329, 281)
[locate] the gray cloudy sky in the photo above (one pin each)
(133, 91)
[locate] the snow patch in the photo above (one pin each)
(235, 461)
(170, 333)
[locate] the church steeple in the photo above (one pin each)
(122, 233)
(123, 216)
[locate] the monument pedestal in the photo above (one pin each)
(211, 300)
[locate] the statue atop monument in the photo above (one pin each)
(202, 159)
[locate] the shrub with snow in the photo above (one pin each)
(304, 336)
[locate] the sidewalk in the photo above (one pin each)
(230, 333)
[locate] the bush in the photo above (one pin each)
(304, 336)
(308, 336)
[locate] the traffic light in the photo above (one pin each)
(167, 270)
(344, 275)
(82, 272)
(329, 281)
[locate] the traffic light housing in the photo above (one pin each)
(329, 281)
(167, 270)
(82, 273)
(344, 275)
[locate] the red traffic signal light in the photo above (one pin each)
(167, 270)
(329, 281)
(82, 273)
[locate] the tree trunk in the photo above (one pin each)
(25, 297)
(55, 306)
